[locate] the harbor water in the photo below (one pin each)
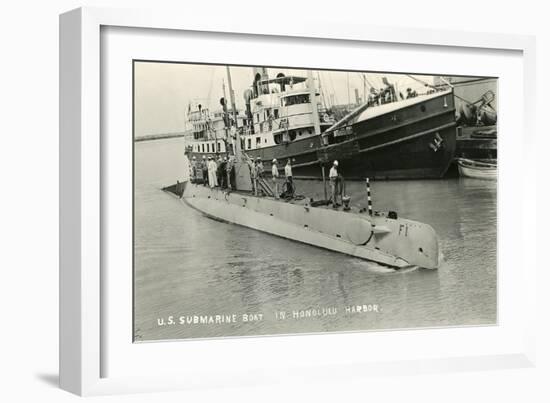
(187, 265)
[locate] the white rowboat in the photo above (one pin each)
(477, 169)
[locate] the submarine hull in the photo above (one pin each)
(394, 242)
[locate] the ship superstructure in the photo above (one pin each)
(210, 132)
(283, 118)
(282, 110)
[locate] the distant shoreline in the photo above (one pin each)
(159, 136)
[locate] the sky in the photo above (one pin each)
(163, 91)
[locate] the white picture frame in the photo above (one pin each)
(83, 342)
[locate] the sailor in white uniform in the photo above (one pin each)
(212, 180)
(333, 176)
(288, 174)
(275, 177)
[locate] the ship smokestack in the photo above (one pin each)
(260, 74)
(282, 83)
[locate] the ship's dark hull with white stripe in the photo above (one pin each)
(415, 142)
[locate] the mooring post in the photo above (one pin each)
(369, 201)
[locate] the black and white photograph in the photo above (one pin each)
(274, 201)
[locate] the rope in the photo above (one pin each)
(420, 81)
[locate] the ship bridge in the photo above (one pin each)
(282, 110)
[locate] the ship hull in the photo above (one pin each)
(417, 141)
(409, 157)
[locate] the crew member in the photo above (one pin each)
(275, 177)
(215, 167)
(223, 173)
(334, 182)
(259, 174)
(193, 169)
(212, 167)
(204, 167)
(219, 171)
(260, 167)
(232, 173)
(288, 170)
(381, 96)
(373, 97)
(289, 191)
(228, 169)
(253, 174)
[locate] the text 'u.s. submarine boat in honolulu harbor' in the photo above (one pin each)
(384, 238)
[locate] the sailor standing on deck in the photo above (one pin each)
(275, 177)
(193, 168)
(215, 167)
(219, 171)
(223, 173)
(288, 175)
(209, 181)
(232, 173)
(212, 167)
(334, 182)
(259, 167)
(204, 168)
(253, 177)
(228, 169)
(259, 173)
(288, 171)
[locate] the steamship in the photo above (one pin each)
(284, 118)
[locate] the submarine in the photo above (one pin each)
(380, 237)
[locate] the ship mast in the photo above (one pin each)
(225, 118)
(313, 101)
(242, 172)
(233, 106)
